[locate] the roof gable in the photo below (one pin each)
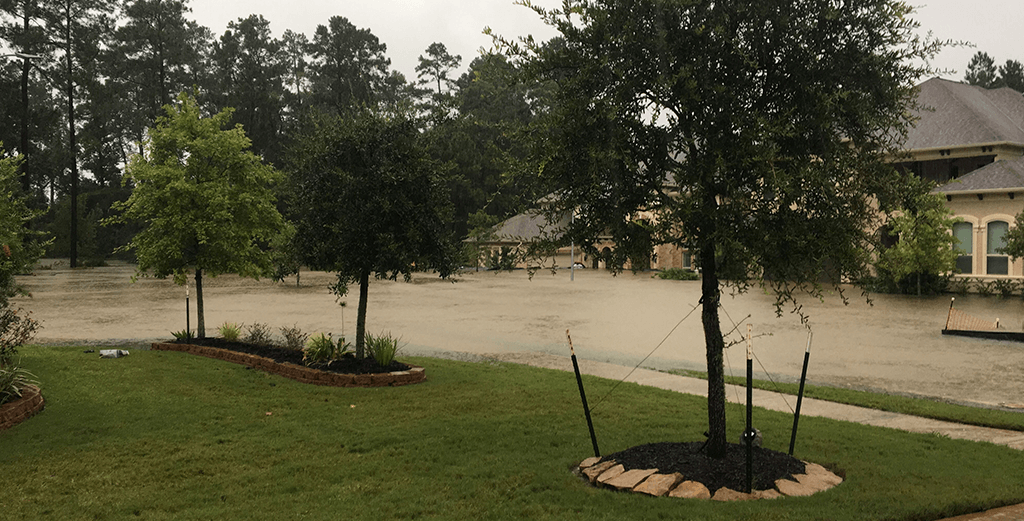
(1001, 175)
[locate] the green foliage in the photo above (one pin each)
(758, 130)
(959, 285)
(13, 379)
(348, 66)
(294, 338)
(1006, 288)
(183, 335)
(505, 258)
(319, 351)
(204, 201)
(19, 250)
(985, 288)
(259, 334)
(981, 71)
(925, 248)
(230, 331)
(369, 200)
(1015, 239)
(678, 274)
(382, 347)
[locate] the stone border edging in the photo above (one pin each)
(610, 474)
(17, 411)
(308, 375)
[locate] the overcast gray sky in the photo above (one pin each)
(407, 27)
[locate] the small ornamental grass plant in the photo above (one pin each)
(382, 348)
(13, 380)
(183, 335)
(231, 331)
(321, 350)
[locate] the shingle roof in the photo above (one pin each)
(1002, 175)
(956, 114)
(526, 227)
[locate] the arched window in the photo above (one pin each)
(997, 263)
(964, 235)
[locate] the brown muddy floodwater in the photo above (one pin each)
(894, 344)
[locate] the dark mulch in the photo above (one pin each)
(692, 461)
(347, 365)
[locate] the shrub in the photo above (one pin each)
(183, 335)
(382, 348)
(12, 380)
(959, 285)
(15, 330)
(319, 352)
(1006, 287)
(678, 274)
(294, 338)
(259, 334)
(985, 289)
(231, 331)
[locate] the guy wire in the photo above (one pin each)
(610, 391)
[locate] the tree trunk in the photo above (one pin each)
(364, 287)
(715, 346)
(26, 65)
(200, 319)
(71, 138)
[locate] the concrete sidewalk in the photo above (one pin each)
(810, 407)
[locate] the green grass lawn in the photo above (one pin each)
(165, 435)
(937, 410)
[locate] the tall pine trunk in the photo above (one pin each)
(364, 290)
(200, 319)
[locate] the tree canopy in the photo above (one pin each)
(369, 200)
(204, 200)
(755, 133)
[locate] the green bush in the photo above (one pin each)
(382, 348)
(13, 380)
(1006, 287)
(183, 335)
(320, 351)
(231, 331)
(678, 274)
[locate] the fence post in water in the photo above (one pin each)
(950, 314)
(583, 396)
(800, 394)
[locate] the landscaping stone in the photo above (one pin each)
(766, 494)
(794, 488)
(629, 479)
(691, 490)
(594, 471)
(590, 462)
(821, 474)
(659, 484)
(610, 474)
(728, 494)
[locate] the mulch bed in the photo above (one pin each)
(281, 355)
(691, 460)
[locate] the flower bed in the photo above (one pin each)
(17, 411)
(303, 374)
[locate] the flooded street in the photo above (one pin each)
(894, 344)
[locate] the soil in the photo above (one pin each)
(347, 365)
(691, 460)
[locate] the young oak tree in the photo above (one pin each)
(370, 200)
(204, 200)
(756, 133)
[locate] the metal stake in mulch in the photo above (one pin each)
(749, 434)
(800, 393)
(186, 309)
(583, 396)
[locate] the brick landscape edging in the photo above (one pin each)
(30, 403)
(299, 373)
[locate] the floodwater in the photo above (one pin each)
(892, 344)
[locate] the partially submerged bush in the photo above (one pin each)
(678, 274)
(230, 331)
(382, 348)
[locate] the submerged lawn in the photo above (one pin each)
(164, 435)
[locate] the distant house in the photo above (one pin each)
(970, 141)
(513, 237)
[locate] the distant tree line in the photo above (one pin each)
(983, 72)
(84, 80)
